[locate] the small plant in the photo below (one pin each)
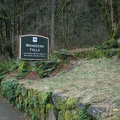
(62, 54)
(56, 60)
(112, 43)
(23, 69)
(118, 54)
(7, 66)
(84, 115)
(8, 89)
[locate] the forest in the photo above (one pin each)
(69, 24)
(81, 78)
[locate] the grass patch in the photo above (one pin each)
(95, 81)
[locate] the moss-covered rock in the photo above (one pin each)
(50, 112)
(71, 104)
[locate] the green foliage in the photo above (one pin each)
(56, 60)
(19, 106)
(84, 115)
(112, 43)
(32, 103)
(62, 54)
(97, 53)
(7, 66)
(46, 98)
(22, 66)
(8, 89)
(48, 66)
(23, 69)
(70, 104)
(41, 72)
(118, 54)
(68, 115)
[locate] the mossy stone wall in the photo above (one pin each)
(45, 105)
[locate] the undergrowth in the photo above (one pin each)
(56, 60)
(43, 68)
(84, 115)
(8, 66)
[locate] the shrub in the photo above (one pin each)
(8, 89)
(56, 60)
(23, 69)
(7, 66)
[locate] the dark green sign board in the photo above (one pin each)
(33, 47)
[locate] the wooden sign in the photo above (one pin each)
(33, 47)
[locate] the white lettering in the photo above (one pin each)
(34, 50)
(36, 46)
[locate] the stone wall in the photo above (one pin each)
(45, 105)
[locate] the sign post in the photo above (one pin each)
(33, 47)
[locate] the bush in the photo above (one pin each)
(23, 69)
(8, 89)
(56, 60)
(112, 43)
(7, 66)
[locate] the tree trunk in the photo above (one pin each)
(111, 20)
(114, 14)
(53, 25)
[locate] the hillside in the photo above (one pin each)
(68, 82)
(95, 81)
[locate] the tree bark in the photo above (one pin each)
(114, 14)
(53, 25)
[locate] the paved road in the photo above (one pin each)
(7, 112)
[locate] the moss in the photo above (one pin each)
(16, 101)
(24, 92)
(30, 93)
(61, 115)
(70, 104)
(21, 99)
(42, 113)
(26, 104)
(37, 112)
(49, 107)
(118, 54)
(76, 116)
(68, 115)
(61, 103)
(50, 112)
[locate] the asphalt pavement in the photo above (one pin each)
(7, 112)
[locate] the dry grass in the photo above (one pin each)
(95, 81)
